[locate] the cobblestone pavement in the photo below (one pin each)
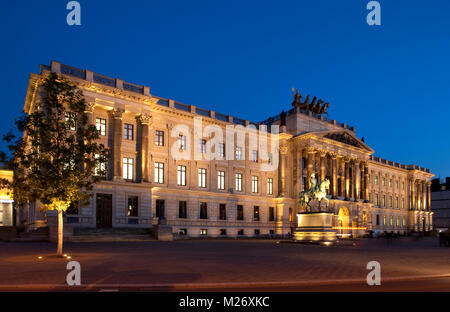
(221, 261)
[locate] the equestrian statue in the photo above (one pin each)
(316, 192)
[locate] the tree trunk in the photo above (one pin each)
(60, 233)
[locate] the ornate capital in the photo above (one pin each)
(89, 107)
(310, 150)
(144, 119)
(117, 113)
(284, 149)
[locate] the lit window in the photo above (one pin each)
(254, 184)
(391, 221)
(221, 180)
(159, 138)
(398, 220)
(221, 150)
(256, 213)
(128, 132)
(100, 124)
(181, 175)
(255, 156)
(159, 172)
(204, 232)
(270, 186)
(71, 121)
(404, 220)
(376, 180)
(239, 182)
(128, 168)
(384, 220)
(383, 181)
(201, 177)
(133, 206)
(100, 168)
(383, 201)
(238, 153)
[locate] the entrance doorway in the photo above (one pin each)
(344, 222)
(104, 210)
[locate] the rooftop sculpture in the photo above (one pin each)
(317, 106)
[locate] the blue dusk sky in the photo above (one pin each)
(243, 58)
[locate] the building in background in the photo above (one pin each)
(6, 201)
(145, 183)
(440, 203)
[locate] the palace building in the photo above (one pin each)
(235, 197)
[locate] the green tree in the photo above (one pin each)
(58, 159)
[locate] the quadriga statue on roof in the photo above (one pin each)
(316, 106)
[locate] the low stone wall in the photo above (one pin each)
(8, 233)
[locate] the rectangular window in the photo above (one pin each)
(100, 168)
(223, 232)
(203, 211)
(256, 213)
(202, 146)
(182, 232)
(270, 186)
(133, 206)
(204, 232)
(182, 209)
(221, 151)
(201, 177)
(396, 202)
(257, 232)
(221, 180)
(291, 215)
(181, 175)
(254, 184)
(182, 142)
(384, 220)
(238, 153)
(378, 219)
(159, 138)
(391, 221)
(390, 182)
(240, 232)
(71, 121)
(128, 168)
(128, 132)
(73, 208)
(159, 172)
(222, 212)
(240, 213)
(403, 203)
(160, 213)
(383, 181)
(271, 214)
(239, 182)
(383, 201)
(255, 156)
(376, 180)
(100, 124)
(398, 220)
(376, 200)
(390, 201)
(404, 220)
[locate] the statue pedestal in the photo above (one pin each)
(315, 227)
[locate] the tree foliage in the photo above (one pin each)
(58, 159)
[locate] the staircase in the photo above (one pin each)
(111, 235)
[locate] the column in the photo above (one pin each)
(412, 194)
(310, 165)
(283, 173)
(357, 180)
(424, 195)
(116, 115)
(366, 182)
(142, 145)
(342, 166)
(429, 196)
(347, 178)
(89, 111)
(322, 165)
(334, 175)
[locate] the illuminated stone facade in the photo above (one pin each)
(233, 197)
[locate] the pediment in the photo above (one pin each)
(344, 137)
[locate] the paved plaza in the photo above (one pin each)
(227, 264)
